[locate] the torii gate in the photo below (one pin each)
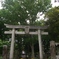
(38, 32)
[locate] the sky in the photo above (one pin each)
(0, 4)
(54, 3)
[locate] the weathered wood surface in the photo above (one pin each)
(23, 32)
(52, 50)
(4, 52)
(24, 26)
(40, 45)
(12, 44)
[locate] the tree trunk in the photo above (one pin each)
(32, 48)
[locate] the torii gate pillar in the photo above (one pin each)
(40, 44)
(12, 44)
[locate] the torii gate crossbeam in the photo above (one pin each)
(13, 32)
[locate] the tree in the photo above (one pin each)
(2, 28)
(21, 11)
(30, 41)
(53, 21)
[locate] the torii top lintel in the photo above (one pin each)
(24, 26)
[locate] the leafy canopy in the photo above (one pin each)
(21, 11)
(53, 22)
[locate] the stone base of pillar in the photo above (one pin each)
(5, 52)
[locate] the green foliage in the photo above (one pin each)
(15, 12)
(1, 44)
(53, 22)
(0, 57)
(40, 23)
(22, 10)
(19, 11)
(4, 43)
(2, 28)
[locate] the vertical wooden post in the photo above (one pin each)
(12, 44)
(5, 52)
(40, 45)
(52, 50)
